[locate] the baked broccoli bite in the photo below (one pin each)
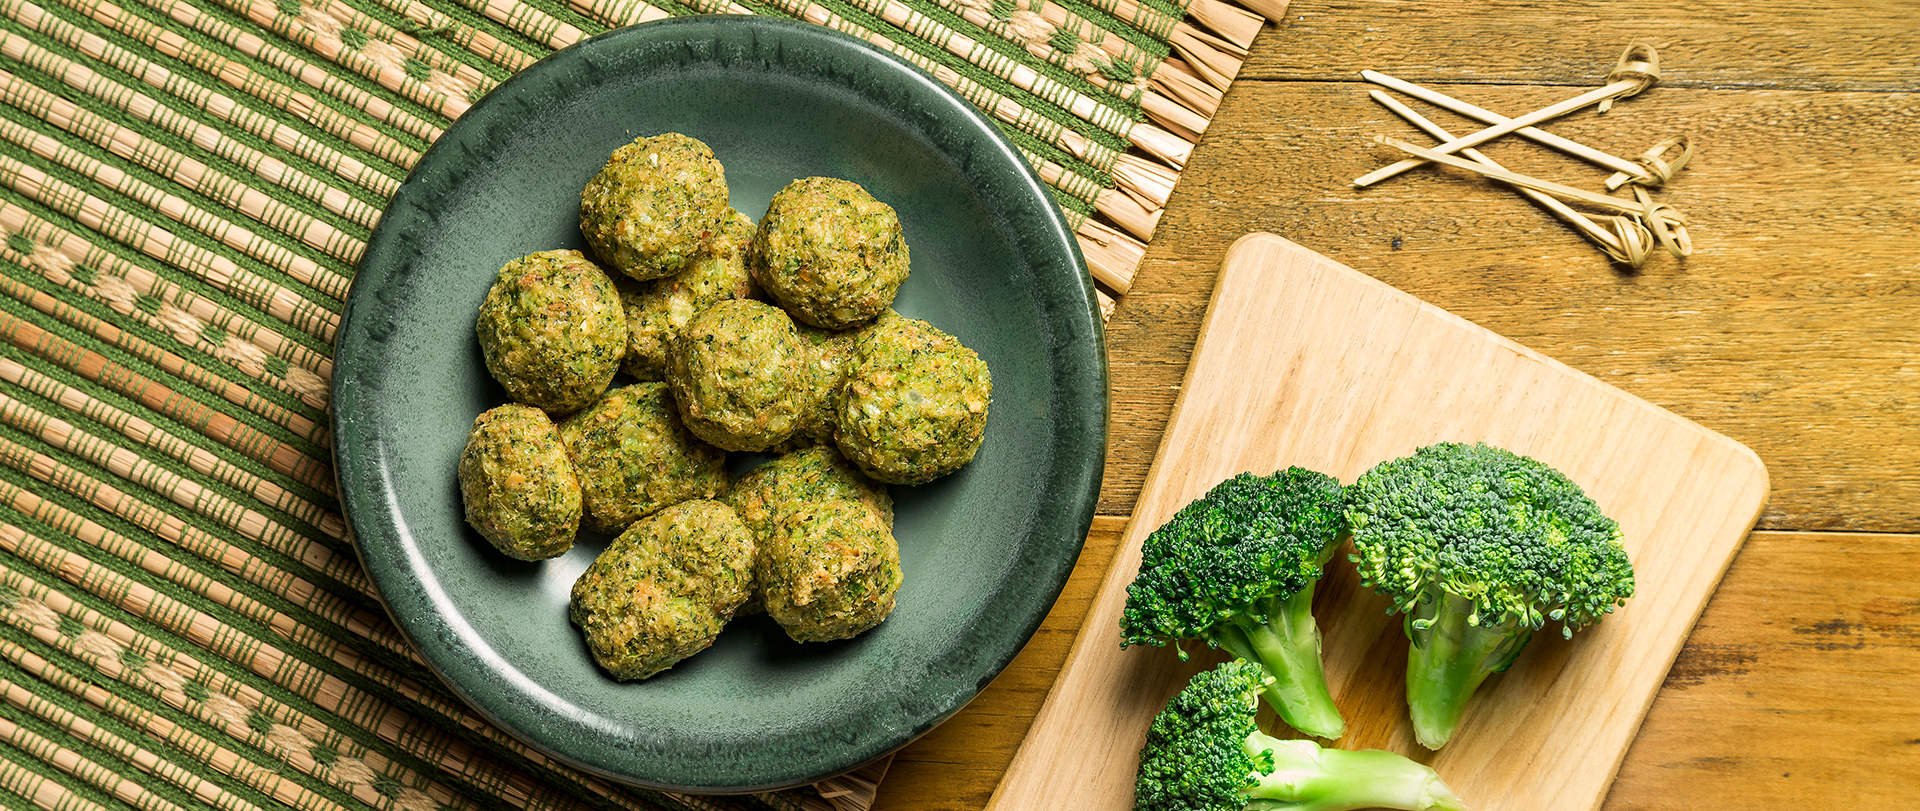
(795, 481)
(662, 590)
(913, 406)
(655, 205)
(826, 362)
(634, 457)
(829, 253)
(829, 570)
(807, 476)
(656, 310)
(519, 489)
(551, 331)
(738, 371)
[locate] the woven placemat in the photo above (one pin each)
(185, 187)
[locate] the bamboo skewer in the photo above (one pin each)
(1515, 178)
(1655, 162)
(1675, 239)
(1639, 61)
(1629, 245)
(1617, 89)
(1534, 134)
(1659, 216)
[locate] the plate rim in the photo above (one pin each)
(357, 473)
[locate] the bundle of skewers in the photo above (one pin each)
(1628, 229)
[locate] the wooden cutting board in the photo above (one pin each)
(1303, 361)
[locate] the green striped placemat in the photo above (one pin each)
(185, 187)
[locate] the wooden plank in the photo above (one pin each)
(1797, 689)
(1304, 361)
(1716, 43)
(1790, 329)
(1794, 690)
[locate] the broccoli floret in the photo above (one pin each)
(1236, 568)
(1479, 547)
(1204, 753)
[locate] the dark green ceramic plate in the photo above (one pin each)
(985, 551)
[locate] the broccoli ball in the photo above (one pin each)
(656, 310)
(826, 368)
(662, 590)
(519, 489)
(807, 476)
(793, 482)
(551, 330)
(913, 407)
(655, 205)
(829, 253)
(734, 369)
(829, 570)
(634, 457)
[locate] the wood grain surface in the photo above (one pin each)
(1792, 329)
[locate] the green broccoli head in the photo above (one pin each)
(1249, 541)
(1205, 753)
(1196, 755)
(1480, 547)
(1236, 569)
(1515, 537)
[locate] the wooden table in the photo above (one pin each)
(1794, 328)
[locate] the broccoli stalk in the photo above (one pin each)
(1204, 752)
(1288, 644)
(1449, 658)
(1306, 777)
(1479, 547)
(1236, 569)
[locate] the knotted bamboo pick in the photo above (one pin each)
(1657, 167)
(1675, 240)
(1548, 186)
(1487, 116)
(1638, 61)
(1659, 216)
(1628, 66)
(1534, 134)
(1628, 78)
(1629, 243)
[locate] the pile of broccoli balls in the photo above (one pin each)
(775, 338)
